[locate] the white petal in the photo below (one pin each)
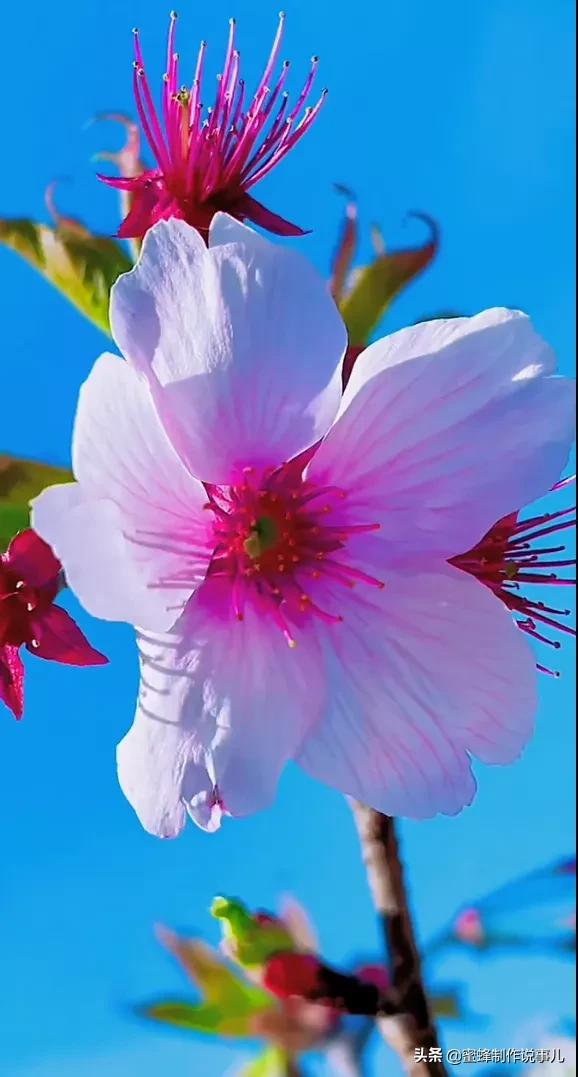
(430, 671)
(241, 345)
(226, 229)
(223, 705)
(132, 534)
(445, 428)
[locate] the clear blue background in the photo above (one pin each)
(460, 109)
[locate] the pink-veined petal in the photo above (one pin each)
(223, 705)
(241, 344)
(131, 534)
(59, 639)
(446, 427)
(423, 674)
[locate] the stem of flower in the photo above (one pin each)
(291, 1067)
(410, 1032)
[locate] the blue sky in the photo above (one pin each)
(461, 110)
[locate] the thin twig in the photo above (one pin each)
(411, 1031)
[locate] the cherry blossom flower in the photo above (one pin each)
(284, 549)
(209, 164)
(30, 579)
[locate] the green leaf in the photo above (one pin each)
(250, 940)
(446, 1004)
(273, 1063)
(127, 160)
(376, 285)
(82, 266)
(346, 245)
(174, 1012)
(228, 1004)
(205, 1018)
(20, 482)
(232, 1018)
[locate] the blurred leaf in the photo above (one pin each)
(273, 1063)
(376, 285)
(127, 160)
(20, 481)
(229, 1017)
(228, 1003)
(250, 938)
(446, 1004)
(181, 1015)
(346, 246)
(82, 266)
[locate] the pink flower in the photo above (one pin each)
(30, 579)
(469, 928)
(283, 549)
(206, 165)
(512, 557)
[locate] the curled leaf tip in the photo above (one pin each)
(343, 189)
(112, 117)
(62, 221)
(432, 224)
(350, 196)
(377, 284)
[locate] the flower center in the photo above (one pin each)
(264, 536)
(277, 538)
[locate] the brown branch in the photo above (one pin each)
(410, 1031)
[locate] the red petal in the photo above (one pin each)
(130, 183)
(351, 356)
(249, 208)
(59, 639)
(30, 558)
(12, 680)
(120, 183)
(150, 204)
(289, 974)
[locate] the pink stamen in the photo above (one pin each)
(152, 112)
(510, 556)
(209, 163)
(270, 533)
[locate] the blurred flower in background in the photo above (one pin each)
(237, 1000)
(534, 912)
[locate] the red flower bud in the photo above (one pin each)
(293, 974)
